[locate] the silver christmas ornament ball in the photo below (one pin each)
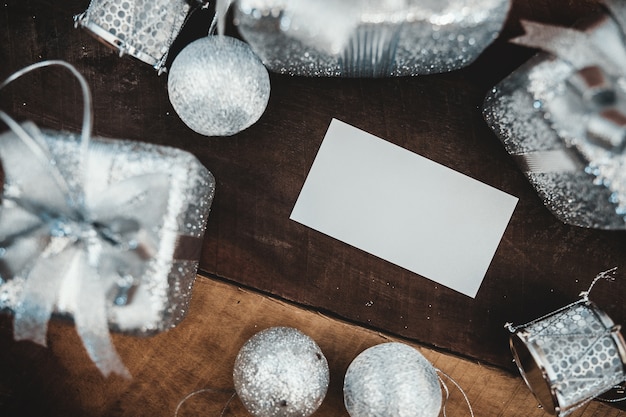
(218, 86)
(392, 380)
(281, 372)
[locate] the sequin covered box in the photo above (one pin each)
(562, 117)
(356, 38)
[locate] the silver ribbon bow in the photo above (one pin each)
(61, 236)
(594, 80)
(584, 101)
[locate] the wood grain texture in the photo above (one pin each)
(200, 353)
(540, 265)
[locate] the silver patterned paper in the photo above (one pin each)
(144, 29)
(580, 351)
(544, 124)
(367, 38)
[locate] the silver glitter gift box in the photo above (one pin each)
(158, 299)
(367, 38)
(105, 232)
(562, 117)
(144, 29)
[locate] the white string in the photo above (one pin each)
(445, 387)
(213, 26)
(200, 391)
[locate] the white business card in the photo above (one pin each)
(404, 208)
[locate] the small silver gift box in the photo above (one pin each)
(562, 116)
(367, 38)
(105, 232)
(144, 29)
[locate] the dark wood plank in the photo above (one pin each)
(540, 265)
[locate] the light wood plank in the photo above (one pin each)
(200, 353)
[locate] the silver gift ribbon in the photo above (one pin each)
(594, 80)
(51, 234)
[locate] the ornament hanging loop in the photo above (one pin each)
(219, 19)
(221, 8)
(609, 275)
(203, 390)
(447, 391)
(87, 124)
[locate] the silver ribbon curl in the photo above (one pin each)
(56, 236)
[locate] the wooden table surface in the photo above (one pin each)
(540, 265)
(61, 381)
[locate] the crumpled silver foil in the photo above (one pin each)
(367, 38)
(560, 116)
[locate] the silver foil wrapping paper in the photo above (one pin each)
(561, 117)
(366, 38)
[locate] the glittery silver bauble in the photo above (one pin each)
(218, 86)
(392, 380)
(281, 372)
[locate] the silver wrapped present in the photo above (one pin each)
(562, 116)
(105, 232)
(368, 38)
(144, 29)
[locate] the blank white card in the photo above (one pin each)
(404, 208)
